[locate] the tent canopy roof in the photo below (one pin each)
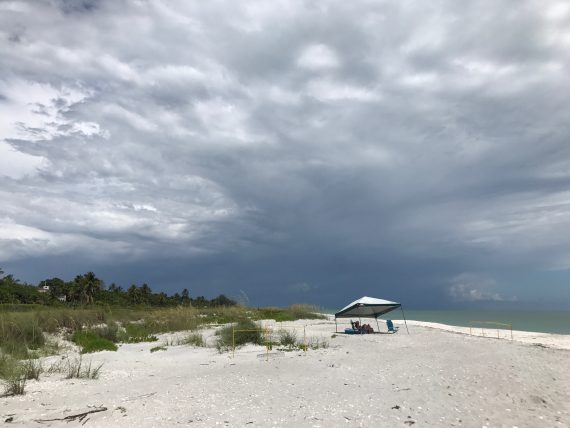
(367, 307)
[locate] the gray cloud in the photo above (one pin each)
(410, 141)
(476, 288)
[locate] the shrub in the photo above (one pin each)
(194, 339)
(157, 348)
(244, 331)
(90, 341)
(287, 338)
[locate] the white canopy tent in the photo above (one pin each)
(369, 307)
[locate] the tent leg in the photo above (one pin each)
(335, 326)
(377, 325)
(405, 322)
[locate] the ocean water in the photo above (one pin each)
(540, 321)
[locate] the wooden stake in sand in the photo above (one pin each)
(79, 416)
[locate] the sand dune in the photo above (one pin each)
(430, 377)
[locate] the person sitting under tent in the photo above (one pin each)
(367, 307)
(366, 328)
(355, 328)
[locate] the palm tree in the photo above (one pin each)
(185, 297)
(87, 286)
(145, 293)
(134, 294)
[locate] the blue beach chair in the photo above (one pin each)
(391, 328)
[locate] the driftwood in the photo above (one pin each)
(79, 416)
(140, 396)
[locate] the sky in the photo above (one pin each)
(290, 151)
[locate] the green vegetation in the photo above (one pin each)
(78, 370)
(243, 332)
(9, 367)
(14, 386)
(194, 339)
(32, 369)
(23, 333)
(96, 318)
(292, 313)
(19, 334)
(287, 338)
(88, 289)
(108, 331)
(137, 333)
(318, 343)
(15, 373)
(157, 348)
(90, 341)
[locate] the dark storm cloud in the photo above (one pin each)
(292, 150)
(77, 6)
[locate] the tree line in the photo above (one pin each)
(88, 289)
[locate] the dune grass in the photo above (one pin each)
(136, 333)
(14, 386)
(22, 330)
(243, 332)
(291, 313)
(77, 369)
(193, 339)
(90, 341)
(31, 369)
(15, 373)
(9, 366)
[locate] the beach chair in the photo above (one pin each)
(391, 328)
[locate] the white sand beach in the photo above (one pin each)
(430, 377)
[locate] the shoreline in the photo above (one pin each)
(548, 340)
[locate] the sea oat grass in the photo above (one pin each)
(193, 339)
(90, 341)
(77, 369)
(31, 369)
(14, 386)
(243, 332)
